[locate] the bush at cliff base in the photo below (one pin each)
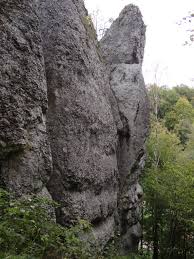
(27, 231)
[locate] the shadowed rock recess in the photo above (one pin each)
(74, 113)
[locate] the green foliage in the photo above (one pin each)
(27, 231)
(174, 108)
(169, 176)
(183, 109)
(185, 91)
(171, 120)
(140, 255)
(168, 98)
(162, 146)
(163, 98)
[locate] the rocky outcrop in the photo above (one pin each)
(25, 158)
(84, 144)
(123, 49)
(80, 123)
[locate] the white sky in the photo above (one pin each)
(164, 50)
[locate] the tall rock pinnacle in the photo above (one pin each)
(123, 48)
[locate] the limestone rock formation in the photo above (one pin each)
(84, 144)
(25, 158)
(80, 123)
(123, 48)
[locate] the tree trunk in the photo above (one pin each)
(142, 225)
(155, 236)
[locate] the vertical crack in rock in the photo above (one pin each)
(25, 159)
(123, 48)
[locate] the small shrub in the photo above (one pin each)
(27, 231)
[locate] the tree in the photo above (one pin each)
(162, 148)
(100, 23)
(169, 177)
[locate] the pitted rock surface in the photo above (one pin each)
(80, 123)
(25, 158)
(125, 41)
(123, 48)
(73, 119)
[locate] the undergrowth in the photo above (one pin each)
(27, 231)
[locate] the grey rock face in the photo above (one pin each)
(25, 160)
(81, 127)
(123, 48)
(124, 42)
(87, 150)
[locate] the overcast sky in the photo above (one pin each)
(164, 50)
